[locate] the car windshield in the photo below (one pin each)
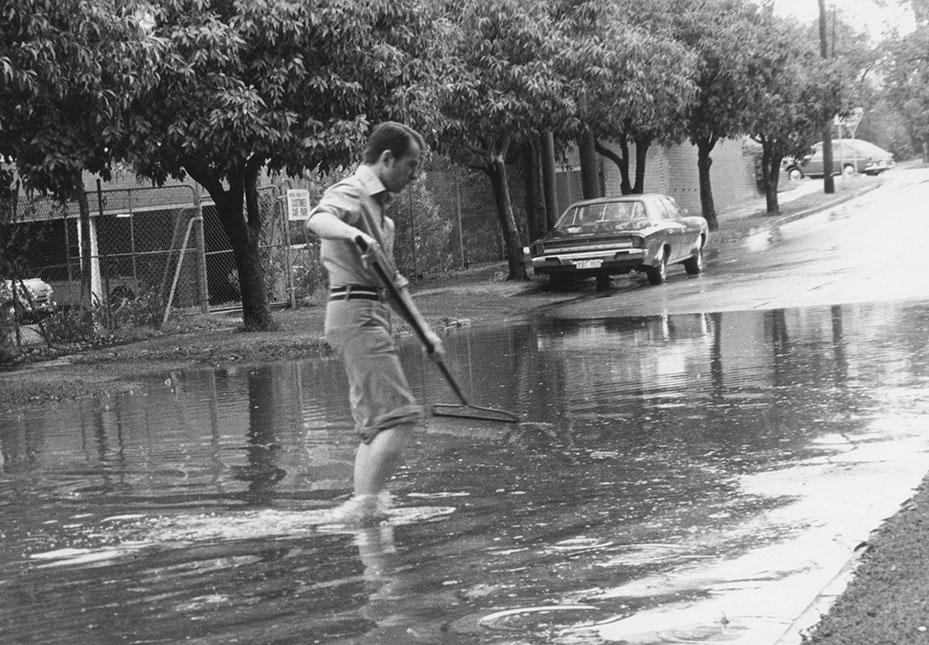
(617, 216)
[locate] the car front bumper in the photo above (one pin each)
(878, 166)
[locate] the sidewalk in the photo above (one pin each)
(796, 200)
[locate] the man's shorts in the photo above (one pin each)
(379, 393)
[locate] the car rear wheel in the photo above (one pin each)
(658, 273)
(694, 264)
(848, 170)
(794, 173)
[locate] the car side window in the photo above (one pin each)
(668, 210)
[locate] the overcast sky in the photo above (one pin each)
(864, 13)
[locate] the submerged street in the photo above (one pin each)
(696, 462)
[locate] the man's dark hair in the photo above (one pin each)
(392, 136)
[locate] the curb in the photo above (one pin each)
(730, 224)
(799, 629)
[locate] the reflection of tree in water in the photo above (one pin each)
(263, 450)
(21, 444)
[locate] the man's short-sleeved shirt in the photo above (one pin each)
(345, 200)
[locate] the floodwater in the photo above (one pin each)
(684, 478)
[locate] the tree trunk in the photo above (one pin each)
(590, 178)
(243, 228)
(621, 161)
(243, 238)
(641, 151)
(770, 168)
(535, 214)
(514, 250)
(548, 179)
(704, 162)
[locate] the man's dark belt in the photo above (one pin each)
(357, 291)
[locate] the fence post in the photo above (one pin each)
(201, 251)
(177, 272)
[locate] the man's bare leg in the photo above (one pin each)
(375, 462)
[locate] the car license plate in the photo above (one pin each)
(589, 264)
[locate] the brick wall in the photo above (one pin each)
(673, 170)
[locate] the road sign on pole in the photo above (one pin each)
(849, 121)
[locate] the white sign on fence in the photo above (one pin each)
(298, 204)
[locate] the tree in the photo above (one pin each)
(501, 91)
(633, 81)
(907, 78)
(273, 84)
(68, 68)
(786, 98)
(722, 33)
(65, 69)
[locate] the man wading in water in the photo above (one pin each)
(358, 314)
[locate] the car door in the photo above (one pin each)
(813, 163)
(842, 155)
(677, 231)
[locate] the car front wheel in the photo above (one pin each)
(694, 264)
(794, 174)
(658, 273)
(848, 170)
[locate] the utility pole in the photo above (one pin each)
(828, 101)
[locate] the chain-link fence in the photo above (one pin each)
(142, 243)
(156, 248)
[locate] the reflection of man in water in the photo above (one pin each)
(392, 603)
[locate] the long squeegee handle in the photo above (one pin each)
(381, 266)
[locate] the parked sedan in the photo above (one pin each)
(615, 235)
(849, 156)
(38, 301)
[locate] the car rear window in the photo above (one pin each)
(619, 215)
